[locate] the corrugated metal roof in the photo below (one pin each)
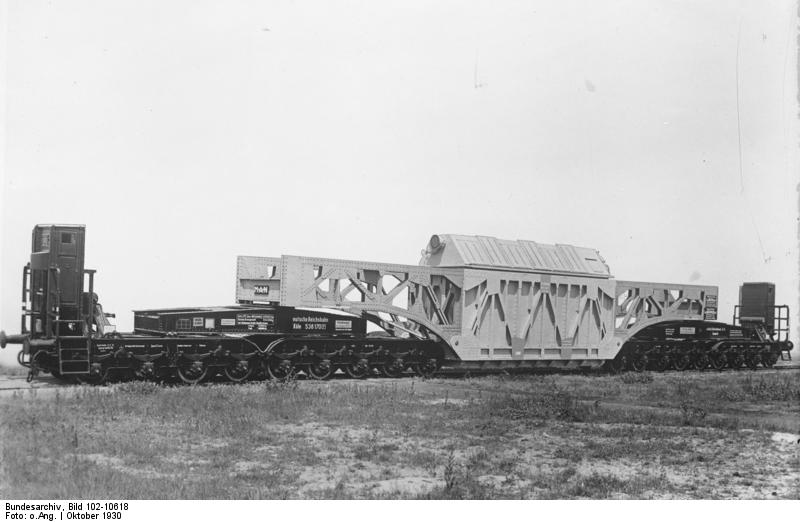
(452, 250)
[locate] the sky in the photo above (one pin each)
(185, 133)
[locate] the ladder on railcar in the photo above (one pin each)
(74, 350)
(780, 328)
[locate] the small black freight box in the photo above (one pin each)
(757, 304)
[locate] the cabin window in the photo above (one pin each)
(43, 241)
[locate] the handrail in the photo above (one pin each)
(57, 295)
(88, 314)
(26, 270)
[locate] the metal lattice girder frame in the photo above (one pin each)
(640, 304)
(417, 300)
(258, 279)
(544, 316)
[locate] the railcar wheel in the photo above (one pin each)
(639, 363)
(662, 363)
(426, 368)
(239, 371)
(768, 359)
(280, 369)
(146, 371)
(681, 362)
(358, 369)
(193, 373)
(752, 359)
(320, 370)
(735, 359)
(700, 361)
(717, 360)
(618, 364)
(393, 368)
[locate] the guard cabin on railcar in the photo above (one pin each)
(60, 311)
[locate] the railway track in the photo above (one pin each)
(43, 383)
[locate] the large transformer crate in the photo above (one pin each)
(525, 300)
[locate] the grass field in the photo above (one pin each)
(672, 435)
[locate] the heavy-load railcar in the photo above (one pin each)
(473, 302)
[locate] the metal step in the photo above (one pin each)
(67, 362)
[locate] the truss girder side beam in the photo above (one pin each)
(639, 304)
(407, 291)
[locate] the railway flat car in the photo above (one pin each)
(472, 302)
